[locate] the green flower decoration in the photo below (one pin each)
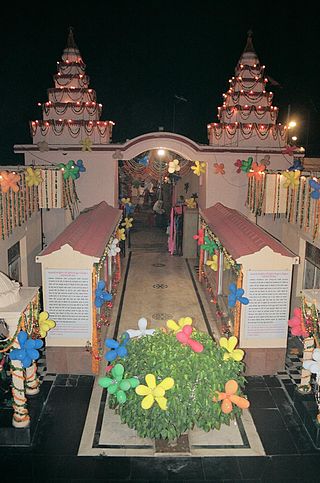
(70, 170)
(209, 245)
(246, 165)
(118, 386)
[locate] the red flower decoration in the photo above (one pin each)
(184, 337)
(219, 168)
(296, 324)
(200, 236)
(238, 165)
(256, 171)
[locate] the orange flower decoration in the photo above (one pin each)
(9, 180)
(219, 168)
(256, 171)
(229, 396)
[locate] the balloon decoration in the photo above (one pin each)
(153, 392)
(230, 397)
(45, 324)
(82, 168)
(209, 245)
(198, 168)
(265, 160)
(113, 247)
(117, 349)
(118, 385)
(127, 223)
(256, 171)
(191, 203)
(291, 179)
(213, 264)
(230, 346)
(86, 144)
(142, 329)
(296, 325)
(313, 365)
(315, 186)
(9, 180)
(297, 165)
(184, 336)
(236, 294)
(200, 236)
(28, 350)
(33, 177)
(101, 295)
(182, 322)
(219, 168)
(121, 234)
(290, 150)
(126, 201)
(246, 165)
(174, 166)
(70, 170)
(238, 165)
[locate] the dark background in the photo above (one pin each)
(139, 55)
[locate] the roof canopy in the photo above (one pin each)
(90, 232)
(238, 234)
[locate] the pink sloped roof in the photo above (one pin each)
(238, 234)
(90, 232)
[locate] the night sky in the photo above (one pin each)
(139, 55)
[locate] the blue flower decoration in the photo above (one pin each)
(297, 166)
(236, 294)
(28, 350)
(315, 185)
(102, 296)
(118, 349)
(82, 168)
(129, 209)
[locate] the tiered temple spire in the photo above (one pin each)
(71, 114)
(247, 116)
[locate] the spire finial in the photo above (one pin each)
(249, 45)
(70, 41)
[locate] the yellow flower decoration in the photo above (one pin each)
(154, 392)
(213, 264)
(126, 201)
(230, 344)
(127, 223)
(292, 179)
(121, 234)
(226, 264)
(86, 144)
(176, 327)
(33, 177)
(45, 324)
(198, 168)
(191, 203)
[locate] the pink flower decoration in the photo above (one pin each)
(238, 165)
(200, 236)
(184, 337)
(219, 168)
(289, 150)
(296, 325)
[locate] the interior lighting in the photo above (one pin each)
(161, 152)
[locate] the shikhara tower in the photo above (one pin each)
(71, 115)
(247, 117)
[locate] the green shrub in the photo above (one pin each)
(196, 378)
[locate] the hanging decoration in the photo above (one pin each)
(256, 171)
(82, 168)
(70, 170)
(174, 166)
(9, 180)
(209, 245)
(198, 168)
(290, 150)
(127, 223)
(315, 186)
(86, 144)
(142, 329)
(236, 295)
(265, 160)
(121, 234)
(219, 168)
(199, 237)
(114, 249)
(230, 397)
(191, 203)
(45, 324)
(246, 165)
(292, 179)
(297, 165)
(153, 392)
(213, 264)
(238, 165)
(28, 350)
(101, 295)
(33, 177)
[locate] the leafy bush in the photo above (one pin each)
(197, 376)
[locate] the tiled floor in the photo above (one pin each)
(61, 414)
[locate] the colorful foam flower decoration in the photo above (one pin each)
(82, 168)
(191, 203)
(226, 264)
(45, 324)
(184, 337)
(33, 177)
(230, 346)
(230, 397)
(121, 234)
(236, 295)
(28, 350)
(296, 324)
(313, 365)
(9, 180)
(70, 170)
(86, 144)
(315, 185)
(117, 349)
(127, 223)
(153, 392)
(292, 179)
(265, 160)
(118, 385)
(126, 201)
(174, 166)
(297, 165)
(142, 329)
(219, 168)
(209, 245)
(246, 165)
(289, 150)
(256, 171)
(200, 236)
(182, 322)
(238, 165)
(198, 168)
(114, 248)
(101, 295)
(213, 264)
